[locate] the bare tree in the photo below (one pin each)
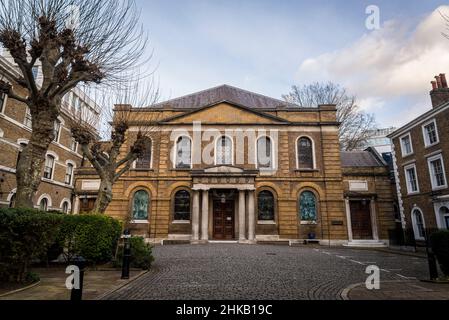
(356, 126)
(73, 42)
(126, 131)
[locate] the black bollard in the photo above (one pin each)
(433, 270)
(77, 294)
(126, 254)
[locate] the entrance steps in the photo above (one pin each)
(366, 244)
(276, 243)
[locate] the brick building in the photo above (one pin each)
(421, 156)
(228, 164)
(63, 157)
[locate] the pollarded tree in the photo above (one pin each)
(73, 42)
(356, 125)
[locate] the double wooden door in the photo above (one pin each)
(224, 226)
(361, 220)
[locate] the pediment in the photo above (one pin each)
(224, 169)
(225, 113)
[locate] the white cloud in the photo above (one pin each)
(389, 63)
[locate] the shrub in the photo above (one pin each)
(25, 235)
(440, 246)
(141, 254)
(92, 236)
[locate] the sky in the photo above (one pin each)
(268, 46)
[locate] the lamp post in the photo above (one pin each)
(126, 254)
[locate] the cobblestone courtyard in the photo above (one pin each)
(225, 271)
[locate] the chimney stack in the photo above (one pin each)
(440, 91)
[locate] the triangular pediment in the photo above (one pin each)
(225, 113)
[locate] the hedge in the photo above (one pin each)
(440, 246)
(141, 254)
(28, 235)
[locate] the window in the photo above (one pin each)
(224, 151)
(69, 174)
(12, 201)
(437, 173)
(48, 169)
(305, 153)
(144, 162)
(406, 145)
(265, 202)
(141, 202)
(28, 118)
(65, 207)
(2, 101)
(43, 205)
(307, 206)
(430, 133)
(411, 179)
(183, 153)
(264, 153)
(418, 224)
(73, 145)
(182, 206)
(444, 213)
(56, 130)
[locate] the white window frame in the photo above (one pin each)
(273, 161)
(56, 158)
(68, 162)
(415, 224)
(49, 201)
(407, 179)
(216, 150)
(427, 144)
(175, 152)
(25, 120)
(432, 176)
(313, 152)
(69, 205)
(403, 151)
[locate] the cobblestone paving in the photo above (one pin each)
(234, 272)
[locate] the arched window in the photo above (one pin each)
(308, 206)
(49, 165)
(305, 153)
(65, 207)
(12, 201)
(224, 151)
(183, 153)
(444, 212)
(265, 203)
(182, 206)
(418, 224)
(43, 205)
(141, 202)
(264, 153)
(69, 174)
(144, 162)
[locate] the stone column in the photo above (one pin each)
(374, 219)
(242, 217)
(205, 216)
(348, 217)
(251, 216)
(196, 216)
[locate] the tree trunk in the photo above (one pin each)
(32, 159)
(104, 196)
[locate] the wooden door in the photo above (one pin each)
(87, 205)
(223, 220)
(361, 220)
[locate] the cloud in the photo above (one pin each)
(398, 60)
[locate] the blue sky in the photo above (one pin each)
(267, 46)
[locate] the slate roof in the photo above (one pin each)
(360, 159)
(224, 93)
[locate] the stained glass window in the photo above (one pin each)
(182, 206)
(140, 205)
(265, 202)
(305, 153)
(264, 154)
(144, 162)
(307, 205)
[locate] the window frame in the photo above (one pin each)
(427, 143)
(28, 119)
(317, 209)
(3, 98)
(431, 174)
(69, 164)
(148, 206)
(53, 166)
(407, 179)
(151, 159)
(409, 136)
(175, 151)
(216, 150)
(270, 221)
(272, 151)
(415, 224)
(173, 216)
(297, 153)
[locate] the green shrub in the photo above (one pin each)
(92, 236)
(440, 246)
(141, 254)
(25, 235)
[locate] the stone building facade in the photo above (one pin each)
(228, 164)
(421, 155)
(63, 157)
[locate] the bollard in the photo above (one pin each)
(77, 294)
(126, 254)
(433, 270)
